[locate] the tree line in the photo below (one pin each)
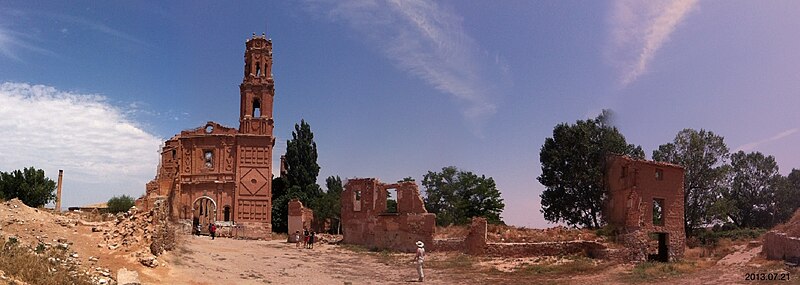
(741, 189)
(453, 195)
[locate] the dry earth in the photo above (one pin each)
(200, 260)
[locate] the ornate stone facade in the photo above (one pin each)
(646, 207)
(223, 175)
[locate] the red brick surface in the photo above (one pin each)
(366, 222)
(632, 186)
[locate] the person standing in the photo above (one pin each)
(419, 258)
(212, 229)
(297, 238)
(305, 237)
(311, 239)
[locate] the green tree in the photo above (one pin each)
(456, 196)
(752, 191)
(29, 185)
(702, 155)
(787, 199)
(573, 169)
(301, 175)
(118, 204)
(329, 205)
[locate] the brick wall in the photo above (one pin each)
(633, 187)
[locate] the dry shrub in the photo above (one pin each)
(451, 232)
(503, 233)
(45, 268)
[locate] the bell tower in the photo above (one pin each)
(258, 88)
(254, 141)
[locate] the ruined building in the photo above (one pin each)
(366, 219)
(219, 174)
(645, 207)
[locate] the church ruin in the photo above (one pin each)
(222, 175)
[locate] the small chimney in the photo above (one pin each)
(58, 193)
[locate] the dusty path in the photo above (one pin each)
(228, 261)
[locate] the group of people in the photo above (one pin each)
(308, 239)
(212, 230)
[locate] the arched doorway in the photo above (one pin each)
(204, 211)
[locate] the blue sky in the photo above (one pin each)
(391, 88)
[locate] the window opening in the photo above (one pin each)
(209, 158)
(659, 174)
(391, 201)
(624, 172)
(258, 69)
(658, 212)
(209, 129)
(226, 212)
(256, 108)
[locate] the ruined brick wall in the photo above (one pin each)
(366, 222)
(583, 248)
(780, 246)
(634, 187)
(299, 218)
(476, 238)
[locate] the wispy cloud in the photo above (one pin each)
(12, 42)
(753, 145)
(639, 29)
(98, 27)
(429, 42)
(93, 141)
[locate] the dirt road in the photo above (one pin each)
(227, 261)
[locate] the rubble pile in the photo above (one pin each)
(147, 233)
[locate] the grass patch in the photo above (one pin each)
(572, 265)
(43, 268)
(647, 271)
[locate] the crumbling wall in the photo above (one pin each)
(780, 246)
(634, 186)
(299, 218)
(365, 220)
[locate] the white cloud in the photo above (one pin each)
(98, 147)
(12, 42)
(639, 29)
(427, 41)
(753, 145)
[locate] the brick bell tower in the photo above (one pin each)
(255, 140)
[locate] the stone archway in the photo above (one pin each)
(204, 212)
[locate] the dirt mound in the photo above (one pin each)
(791, 227)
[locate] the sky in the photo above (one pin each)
(391, 89)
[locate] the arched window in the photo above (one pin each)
(256, 108)
(226, 212)
(258, 69)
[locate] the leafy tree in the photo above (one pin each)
(456, 196)
(787, 198)
(573, 169)
(29, 185)
(280, 207)
(329, 205)
(752, 191)
(301, 176)
(119, 204)
(702, 155)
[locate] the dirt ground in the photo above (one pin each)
(200, 260)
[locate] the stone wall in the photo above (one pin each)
(365, 220)
(780, 246)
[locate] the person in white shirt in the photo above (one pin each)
(419, 258)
